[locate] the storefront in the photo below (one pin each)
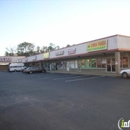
(101, 56)
(6, 60)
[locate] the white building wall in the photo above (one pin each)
(123, 42)
(14, 59)
(32, 58)
(113, 42)
(82, 48)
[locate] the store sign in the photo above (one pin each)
(59, 53)
(5, 59)
(46, 55)
(34, 57)
(72, 51)
(97, 45)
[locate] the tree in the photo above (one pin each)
(10, 51)
(67, 45)
(6, 53)
(25, 49)
(43, 49)
(52, 47)
(57, 47)
(37, 50)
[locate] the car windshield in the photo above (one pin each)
(28, 68)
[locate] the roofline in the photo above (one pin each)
(81, 43)
(88, 42)
(82, 55)
(123, 35)
(12, 56)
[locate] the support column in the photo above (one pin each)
(117, 62)
(40, 65)
(50, 66)
(128, 59)
(31, 64)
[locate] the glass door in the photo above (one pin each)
(113, 64)
(110, 64)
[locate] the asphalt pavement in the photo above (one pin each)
(45, 101)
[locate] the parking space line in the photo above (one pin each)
(46, 77)
(68, 77)
(84, 79)
(51, 77)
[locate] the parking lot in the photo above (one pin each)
(49, 101)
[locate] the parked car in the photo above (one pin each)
(31, 70)
(24, 68)
(125, 73)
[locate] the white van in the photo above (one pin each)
(16, 67)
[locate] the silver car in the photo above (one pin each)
(33, 69)
(125, 73)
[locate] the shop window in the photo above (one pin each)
(121, 61)
(125, 62)
(103, 63)
(72, 64)
(59, 64)
(87, 63)
(53, 65)
(93, 63)
(83, 64)
(75, 64)
(64, 64)
(99, 63)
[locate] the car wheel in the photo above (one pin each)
(125, 75)
(30, 72)
(44, 71)
(15, 70)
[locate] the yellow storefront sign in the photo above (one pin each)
(97, 45)
(46, 55)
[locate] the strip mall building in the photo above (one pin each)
(6, 60)
(106, 56)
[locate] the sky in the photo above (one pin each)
(61, 22)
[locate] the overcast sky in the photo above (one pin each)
(61, 22)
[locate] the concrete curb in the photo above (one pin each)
(81, 73)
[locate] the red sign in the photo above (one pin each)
(59, 53)
(5, 59)
(72, 51)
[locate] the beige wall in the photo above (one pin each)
(80, 49)
(13, 58)
(3, 67)
(123, 42)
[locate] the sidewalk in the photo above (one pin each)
(83, 73)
